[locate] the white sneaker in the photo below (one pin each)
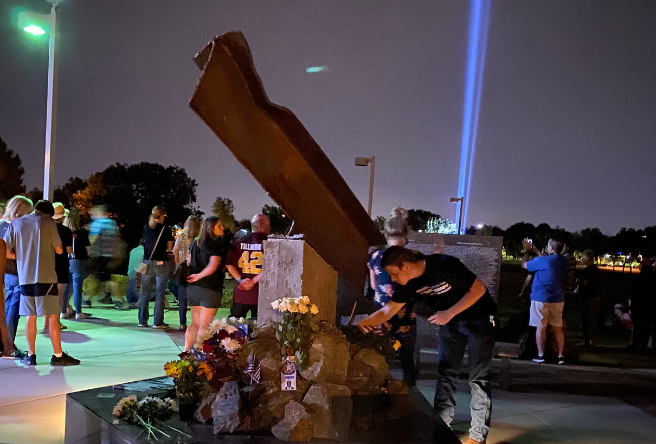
(66, 315)
(82, 316)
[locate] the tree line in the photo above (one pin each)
(130, 191)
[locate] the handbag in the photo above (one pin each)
(142, 268)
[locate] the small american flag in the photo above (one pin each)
(253, 369)
(246, 424)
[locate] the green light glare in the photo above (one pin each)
(315, 69)
(35, 30)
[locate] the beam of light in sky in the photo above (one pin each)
(478, 26)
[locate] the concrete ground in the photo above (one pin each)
(548, 404)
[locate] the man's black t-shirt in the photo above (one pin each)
(445, 281)
(591, 289)
(200, 258)
(149, 238)
(80, 244)
(61, 260)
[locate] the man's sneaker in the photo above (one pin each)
(473, 441)
(561, 360)
(70, 310)
(121, 305)
(86, 303)
(66, 315)
(539, 359)
(64, 360)
(107, 299)
(142, 325)
(82, 316)
(161, 326)
(133, 305)
(13, 354)
(28, 359)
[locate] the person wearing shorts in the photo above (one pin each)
(35, 240)
(205, 282)
(547, 296)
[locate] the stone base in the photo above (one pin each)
(89, 420)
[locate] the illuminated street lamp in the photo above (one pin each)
(364, 161)
(40, 24)
(462, 204)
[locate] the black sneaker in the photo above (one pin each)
(107, 299)
(539, 359)
(28, 359)
(65, 359)
(86, 304)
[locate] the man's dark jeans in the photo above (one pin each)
(477, 336)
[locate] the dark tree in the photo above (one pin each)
(131, 191)
(34, 195)
(11, 173)
(512, 240)
(224, 209)
(243, 224)
(628, 241)
(280, 222)
(418, 219)
(591, 239)
(380, 222)
(66, 193)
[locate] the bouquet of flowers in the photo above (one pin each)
(295, 331)
(189, 374)
(146, 412)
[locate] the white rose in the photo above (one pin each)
(275, 305)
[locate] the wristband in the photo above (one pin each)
(239, 280)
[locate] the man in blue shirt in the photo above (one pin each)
(547, 295)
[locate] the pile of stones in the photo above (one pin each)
(343, 387)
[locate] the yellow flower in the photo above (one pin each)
(302, 308)
(314, 309)
(293, 308)
(306, 300)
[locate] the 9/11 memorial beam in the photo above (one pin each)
(273, 145)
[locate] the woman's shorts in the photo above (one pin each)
(203, 297)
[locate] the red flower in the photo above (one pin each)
(207, 348)
(223, 334)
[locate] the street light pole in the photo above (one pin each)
(51, 117)
(364, 161)
(462, 204)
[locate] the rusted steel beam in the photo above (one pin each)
(273, 145)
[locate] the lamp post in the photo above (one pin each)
(39, 24)
(364, 161)
(462, 204)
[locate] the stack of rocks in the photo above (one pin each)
(343, 387)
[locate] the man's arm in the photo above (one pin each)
(379, 317)
(3, 258)
(233, 272)
(476, 292)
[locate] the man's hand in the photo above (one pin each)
(441, 317)
(246, 284)
(528, 246)
(192, 278)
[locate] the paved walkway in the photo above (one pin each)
(113, 350)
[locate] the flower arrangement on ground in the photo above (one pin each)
(210, 365)
(295, 331)
(148, 411)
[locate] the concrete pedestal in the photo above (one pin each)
(291, 268)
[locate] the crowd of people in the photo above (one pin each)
(47, 257)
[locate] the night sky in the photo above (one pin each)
(567, 130)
